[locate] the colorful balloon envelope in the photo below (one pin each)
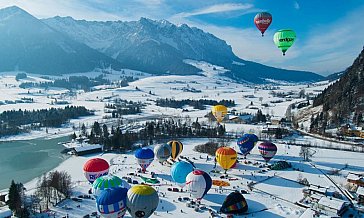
(111, 203)
(142, 201)
(246, 143)
(234, 203)
(108, 181)
(94, 168)
(226, 157)
(162, 152)
(267, 150)
(219, 112)
(179, 172)
(262, 21)
(198, 183)
(176, 148)
(144, 157)
(284, 39)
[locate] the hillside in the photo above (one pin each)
(343, 101)
(28, 44)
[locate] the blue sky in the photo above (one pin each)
(330, 33)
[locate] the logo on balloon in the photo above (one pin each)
(263, 21)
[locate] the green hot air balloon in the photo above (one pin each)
(284, 39)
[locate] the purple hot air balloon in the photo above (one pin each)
(267, 150)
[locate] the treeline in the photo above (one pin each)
(116, 138)
(12, 122)
(197, 104)
(123, 107)
(77, 82)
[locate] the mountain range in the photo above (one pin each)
(63, 45)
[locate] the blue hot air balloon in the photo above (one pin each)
(145, 157)
(179, 172)
(246, 144)
(111, 203)
(254, 138)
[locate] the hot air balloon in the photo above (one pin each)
(284, 39)
(234, 203)
(262, 21)
(179, 172)
(162, 152)
(246, 143)
(145, 157)
(254, 138)
(94, 168)
(111, 203)
(219, 112)
(267, 150)
(226, 157)
(176, 148)
(198, 183)
(108, 181)
(142, 201)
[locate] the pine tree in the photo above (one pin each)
(15, 201)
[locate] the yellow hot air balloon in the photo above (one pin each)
(226, 157)
(176, 148)
(219, 112)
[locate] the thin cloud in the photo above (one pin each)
(296, 5)
(218, 8)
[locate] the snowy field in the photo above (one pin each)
(274, 193)
(209, 85)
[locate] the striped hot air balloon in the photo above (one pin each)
(94, 168)
(234, 203)
(176, 148)
(142, 201)
(108, 181)
(145, 157)
(267, 150)
(198, 183)
(111, 203)
(226, 157)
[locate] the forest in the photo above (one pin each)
(117, 139)
(17, 121)
(196, 104)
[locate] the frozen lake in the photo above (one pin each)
(25, 160)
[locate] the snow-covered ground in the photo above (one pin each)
(275, 192)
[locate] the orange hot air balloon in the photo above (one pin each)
(226, 157)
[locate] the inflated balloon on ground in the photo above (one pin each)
(94, 168)
(111, 202)
(142, 201)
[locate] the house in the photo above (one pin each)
(360, 194)
(87, 149)
(246, 118)
(5, 212)
(352, 130)
(333, 205)
(355, 179)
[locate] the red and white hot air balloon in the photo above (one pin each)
(94, 168)
(262, 21)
